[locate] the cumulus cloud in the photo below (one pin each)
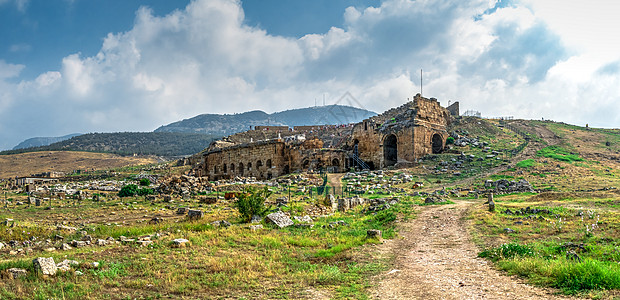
(496, 58)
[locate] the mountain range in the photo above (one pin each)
(192, 135)
(230, 124)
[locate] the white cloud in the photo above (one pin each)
(501, 61)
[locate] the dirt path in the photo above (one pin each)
(436, 259)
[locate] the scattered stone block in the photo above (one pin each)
(45, 266)
(180, 243)
(15, 273)
(182, 210)
(195, 214)
(221, 223)
(280, 219)
(144, 243)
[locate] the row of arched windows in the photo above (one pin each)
(241, 168)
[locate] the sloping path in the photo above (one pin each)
(436, 259)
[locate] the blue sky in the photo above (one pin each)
(125, 65)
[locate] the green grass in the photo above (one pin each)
(526, 164)
(558, 153)
(567, 275)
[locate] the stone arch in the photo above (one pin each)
(268, 164)
(241, 169)
(224, 170)
(250, 166)
(259, 164)
(390, 150)
(335, 165)
(305, 164)
(214, 169)
(232, 169)
(437, 143)
(335, 162)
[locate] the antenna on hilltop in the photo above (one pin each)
(420, 82)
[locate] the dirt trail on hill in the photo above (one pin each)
(436, 259)
(529, 151)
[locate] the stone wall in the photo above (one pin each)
(263, 160)
(397, 138)
(402, 135)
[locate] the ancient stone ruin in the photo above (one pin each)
(395, 138)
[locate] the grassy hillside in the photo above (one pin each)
(25, 164)
(130, 143)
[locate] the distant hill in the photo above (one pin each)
(129, 143)
(43, 141)
(230, 124)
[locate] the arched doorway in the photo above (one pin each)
(390, 150)
(241, 169)
(437, 143)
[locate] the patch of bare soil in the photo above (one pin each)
(26, 164)
(436, 259)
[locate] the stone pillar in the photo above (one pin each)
(491, 203)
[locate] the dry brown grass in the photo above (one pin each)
(25, 164)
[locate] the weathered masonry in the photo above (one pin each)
(402, 135)
(396, 138)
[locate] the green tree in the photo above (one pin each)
(129, 190)
(145, 182)
(252, 202)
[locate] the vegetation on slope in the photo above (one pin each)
(130, 143)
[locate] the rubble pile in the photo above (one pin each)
(184, 185)
(504, 186)
(378, 181)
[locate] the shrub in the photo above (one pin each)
(449, 140)
(128, 190)
(145, 182)
(252, 202)
(145, 191)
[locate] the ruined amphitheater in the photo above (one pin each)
(395, 138)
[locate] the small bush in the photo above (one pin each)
(145, 182)
(145, 191)
(252, 202)
(449, 140)
(129, 190)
